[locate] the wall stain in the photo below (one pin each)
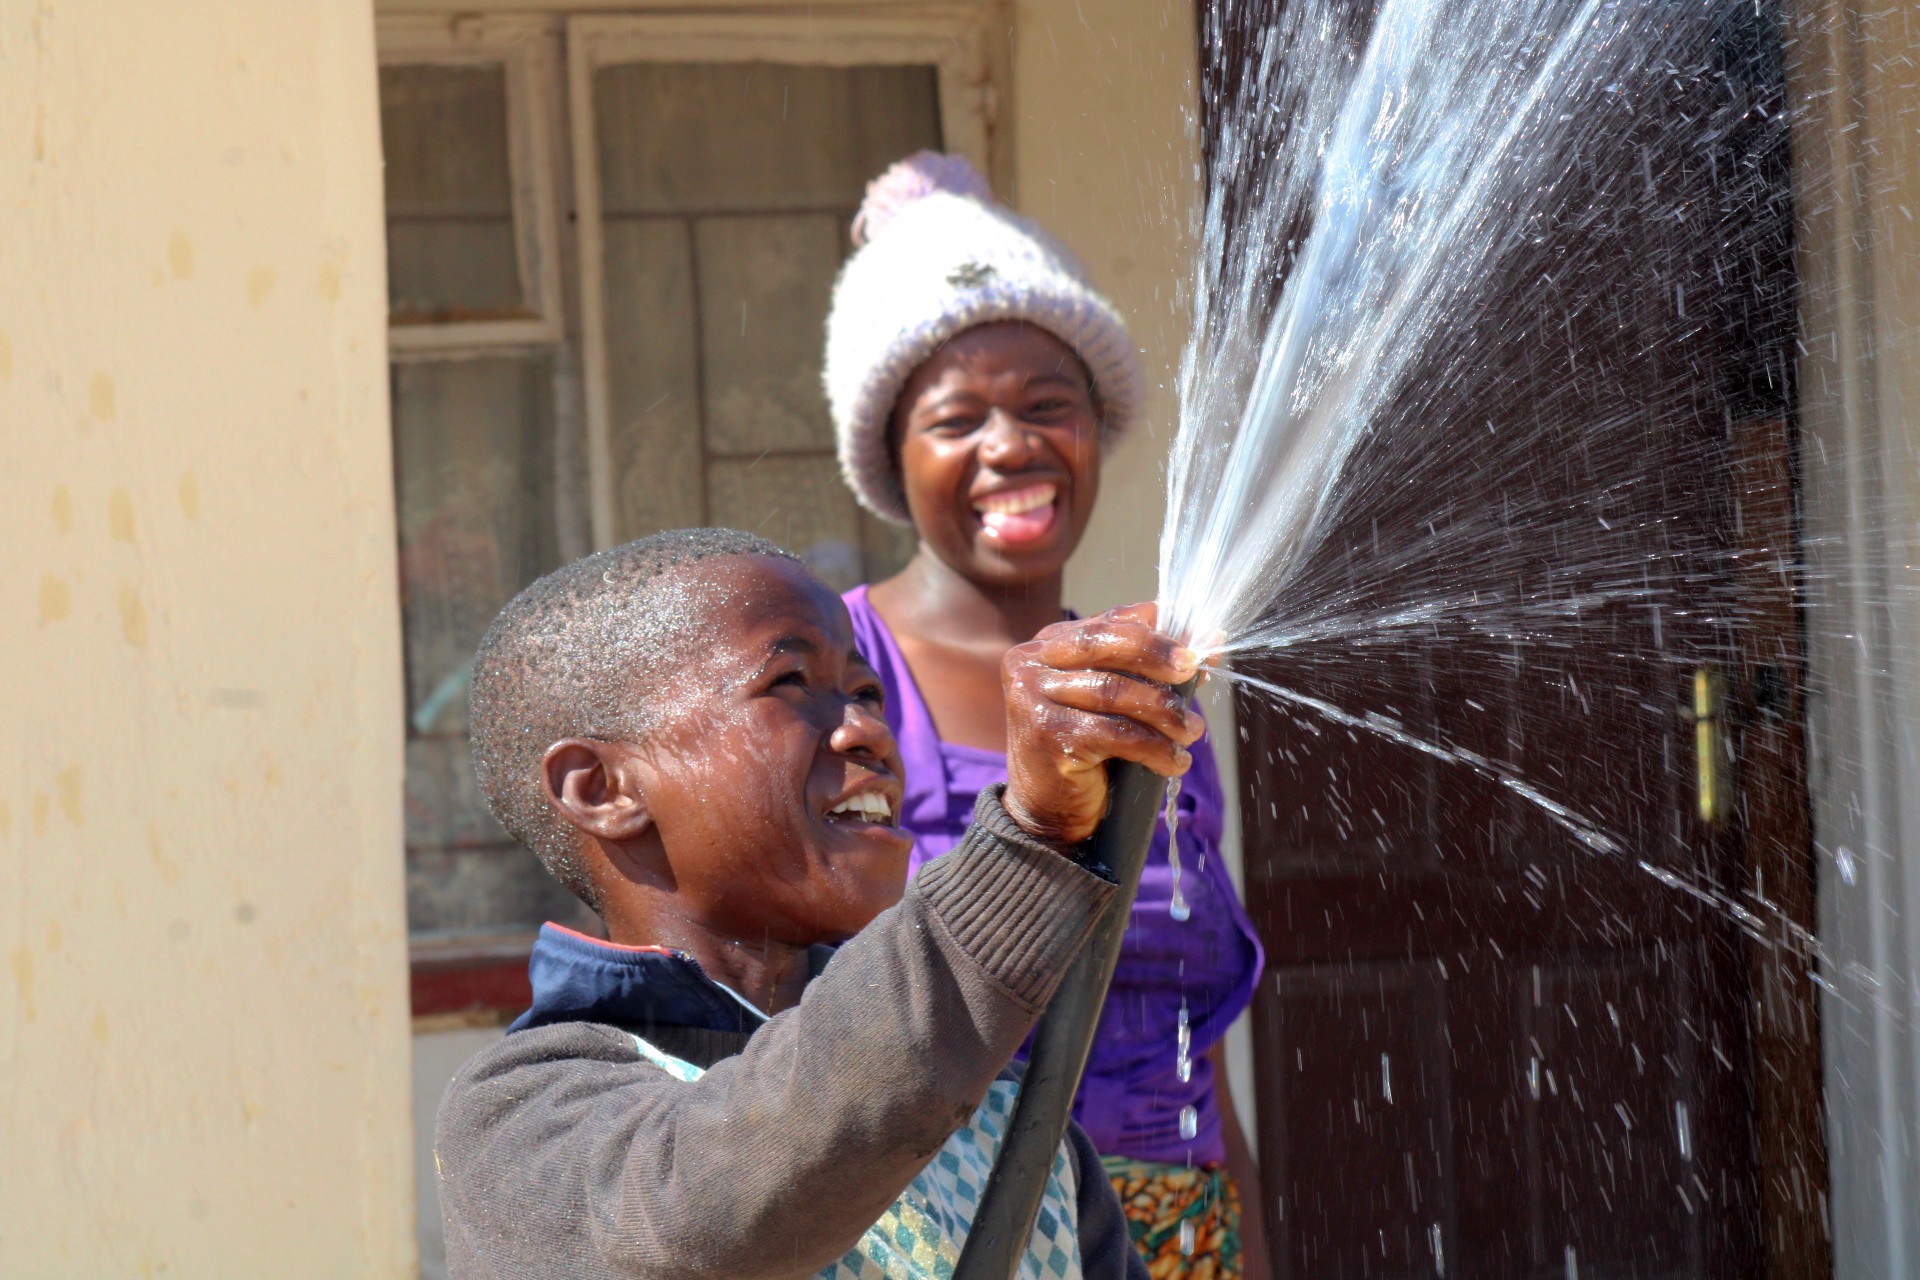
(100, 1030)
(102, 401)
(180, 255)
(190, 495)
(56, 599)
(42, 806)
(6, 358)
(326, 281)
(23, 982)
(168, 868)
(120, 515)
(6, 819)
(62, 508)
(260, 284)
(66, 786)
(55, 939)
(133, 616)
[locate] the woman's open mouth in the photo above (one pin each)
(1014, 517)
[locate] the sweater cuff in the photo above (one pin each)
(1021, 907)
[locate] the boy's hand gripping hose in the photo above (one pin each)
(998, 1238)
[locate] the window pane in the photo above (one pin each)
(754, 137)
(762, 370)
(800, 503)
(475, 467)
(450, 241)
(727, 190)
(474, 446)
(653, 376)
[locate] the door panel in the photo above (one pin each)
(1363, 1064)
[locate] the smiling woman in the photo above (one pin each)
(976, 380)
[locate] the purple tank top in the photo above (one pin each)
(1131, 1099)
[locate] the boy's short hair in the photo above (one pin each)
(575, 656)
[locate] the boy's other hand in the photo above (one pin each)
(1080, 694)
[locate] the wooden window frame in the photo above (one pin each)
(527, 50)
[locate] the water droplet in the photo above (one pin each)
(1189, 1123)
(1183, 1051)
(1439, 1254)
(1842, 858)
(1187, 1234)
(1176, 907)
(1683, 1125)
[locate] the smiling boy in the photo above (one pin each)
(682, 729)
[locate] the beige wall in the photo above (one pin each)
(203, 1012)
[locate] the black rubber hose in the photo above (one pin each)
(1004, 1221)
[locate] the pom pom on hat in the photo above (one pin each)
(936, 257)
(919, 175)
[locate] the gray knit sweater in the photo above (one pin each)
(563, 1153)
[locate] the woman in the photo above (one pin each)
(975, 380)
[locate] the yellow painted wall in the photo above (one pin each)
(203, 1010)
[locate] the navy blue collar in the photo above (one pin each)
(581, 979)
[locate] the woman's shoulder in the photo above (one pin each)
(874, 639)
(870, 631)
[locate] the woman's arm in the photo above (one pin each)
(1244, 1172)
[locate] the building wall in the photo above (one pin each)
(203, 1005)
(1857, 178)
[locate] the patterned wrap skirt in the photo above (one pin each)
(1184, 1219)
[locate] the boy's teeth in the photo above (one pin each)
(867, 804)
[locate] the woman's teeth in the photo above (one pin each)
(868, 805)
(1018, 514)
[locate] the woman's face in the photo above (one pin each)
(998, 438)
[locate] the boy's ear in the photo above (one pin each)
(596, 788)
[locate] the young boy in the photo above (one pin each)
(682, 730)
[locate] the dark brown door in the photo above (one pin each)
(1486, 1048)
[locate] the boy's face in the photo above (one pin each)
(772, 779)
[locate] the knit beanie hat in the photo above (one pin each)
(934, 256)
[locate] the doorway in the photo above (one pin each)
(1483, 1047)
